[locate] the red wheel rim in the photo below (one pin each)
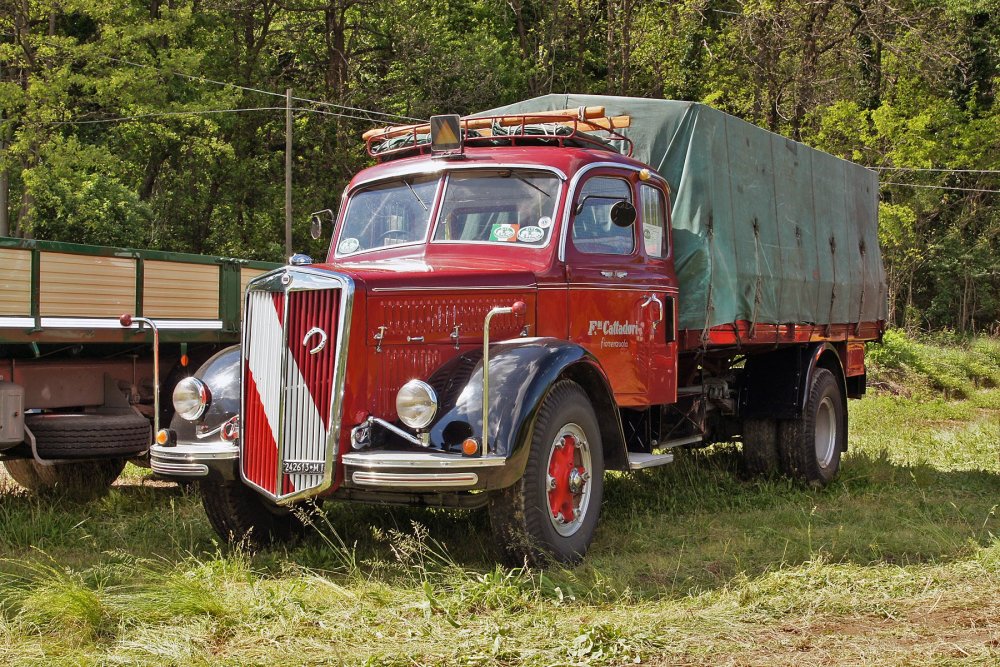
(568, 479)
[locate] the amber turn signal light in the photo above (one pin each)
(470, 446)
(165, 437)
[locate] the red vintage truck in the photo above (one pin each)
(514, 303)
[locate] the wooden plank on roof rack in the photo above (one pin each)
(392, 132)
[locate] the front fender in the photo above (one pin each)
(522, 371)
(221, 374)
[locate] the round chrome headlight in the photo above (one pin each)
(416, 404)
(191, 398)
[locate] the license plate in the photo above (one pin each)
(303, 467)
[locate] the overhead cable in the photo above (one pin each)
(938, 187)
(193, 112)
(193, 77)
(938, 170)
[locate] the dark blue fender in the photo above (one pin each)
(521, 373)
(221, 374)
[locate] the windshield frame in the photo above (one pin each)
(442, 172)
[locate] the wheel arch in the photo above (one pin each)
(776, 383)
(595, 384)
(522, 371)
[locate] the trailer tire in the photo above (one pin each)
(81, 479)
(241, 517)
(86, 436)
(760, 447)
(811, 445)
(529, 518)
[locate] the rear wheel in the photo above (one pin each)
(78, 478)
(552, 511)
(760, 446)
(811, 445)
(240, 516)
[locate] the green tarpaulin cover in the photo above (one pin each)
(765, 229)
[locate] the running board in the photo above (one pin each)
(638, 460)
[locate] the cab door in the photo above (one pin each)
(616, 304)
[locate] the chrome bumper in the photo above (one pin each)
(416, 470)
(192, 461)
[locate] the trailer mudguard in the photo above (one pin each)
(521, 372)
(776, 384)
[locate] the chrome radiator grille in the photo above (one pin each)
(292, 382)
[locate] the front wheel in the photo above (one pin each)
(811, 445)
(552, 511)
(240, 516)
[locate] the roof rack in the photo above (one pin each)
(564, 127)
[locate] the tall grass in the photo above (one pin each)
(942, 362)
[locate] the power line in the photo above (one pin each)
(158, 114)
(939, 187)
(938, 170)
(261, 91)
(193, 112)
(368, 113)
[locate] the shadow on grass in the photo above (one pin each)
(666, 531)
(694, 525)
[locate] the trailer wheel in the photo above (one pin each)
(61, 435)
(552, 511)
(241, 517)
(811, 445)
(82, 479)
(760, 446)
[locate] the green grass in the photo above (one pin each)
(898, 562)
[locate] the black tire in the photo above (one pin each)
(760, 447)
(83, 479)
(521, 515)
(89, 436)
(241, 517)
(811, 445)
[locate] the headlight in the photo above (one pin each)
(191, 398)
(416, 404)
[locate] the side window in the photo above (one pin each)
(654, 220)
(593, 231)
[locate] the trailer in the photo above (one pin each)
(515, 302)
(77, 389)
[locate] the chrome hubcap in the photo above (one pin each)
(826, 432)
(567, 481)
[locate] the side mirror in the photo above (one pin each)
(316, 222)
(623, 214)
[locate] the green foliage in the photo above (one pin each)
(902, 87)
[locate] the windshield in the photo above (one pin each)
(509, 206)
(387, 214)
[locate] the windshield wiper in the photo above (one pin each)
(415, 195)
(529, 183)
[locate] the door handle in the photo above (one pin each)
(652, 298)
(614, 274)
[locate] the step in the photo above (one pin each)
(638, 461)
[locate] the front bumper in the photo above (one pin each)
(216, 460)
(418, 470)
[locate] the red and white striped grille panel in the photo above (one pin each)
(288, 392)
